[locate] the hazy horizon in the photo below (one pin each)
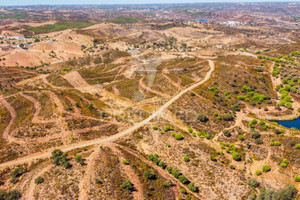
(95, 2)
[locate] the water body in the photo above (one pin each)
(291, 124)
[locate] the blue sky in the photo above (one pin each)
(56, 2)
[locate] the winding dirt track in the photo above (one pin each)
(157, 113)
(30, 191)
(84, 186)
(13, 116)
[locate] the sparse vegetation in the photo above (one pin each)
(127, 185)
(266, 168)
(39, 180)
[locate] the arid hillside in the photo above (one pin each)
(185, 102)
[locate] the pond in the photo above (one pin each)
(291, 124)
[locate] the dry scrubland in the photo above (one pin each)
(127, 106)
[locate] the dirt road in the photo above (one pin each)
(112, 138)
(13, 116)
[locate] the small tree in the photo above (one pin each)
(266, 168)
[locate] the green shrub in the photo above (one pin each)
(265, 127)
(60, 158)
(155, 128)
(39, 180)
(285, 161)
(277, 131)
(213, 158)
(266, 168)
(258, 172)
(241, 137)
(175, 173)
(182, 190)
(228, 117)
(297, 178)
(297, 146)
(183, 179)
(186, 159)
(254, 121)
(17, 172)
(206, 135)
(11, 195)
(236, 156)
(252, 182)
(125, 162)
(277, 143)
(13, 180)
(127, 185)
(289, 192)
(169, 169)
(227, 133)
(192, 187)
(202, 118)
(168, 128)
(149, 175)
(255, 135)
(178, 137)
(79, 160)
(190, 130)
(259, 141)
(162, 164)
(283, 165)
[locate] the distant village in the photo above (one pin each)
(14, 45)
